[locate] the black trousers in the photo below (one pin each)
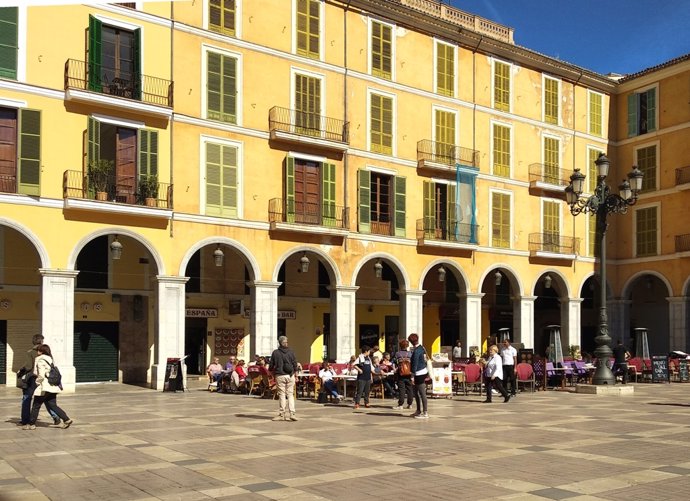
(405, 390)
(623, 367)
(50, 400)
(509, 378)
(494, 383)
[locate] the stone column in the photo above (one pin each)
(57, 320)
(471, 310)
(412, 312)
(678, 323)
(571, 320)
(264, 317)
(343, 303)
(169, 326)
(523, 320)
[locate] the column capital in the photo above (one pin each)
(171, 279)
(411, 292)
(470, 295)
(678, 299)
(573, 300)
(527, 298)
(57, 272)
(343, 288)
(265, 283)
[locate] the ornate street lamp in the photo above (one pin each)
(218, 256)
(378, 269)
(602, 203)
(116, 248)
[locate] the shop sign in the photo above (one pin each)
(287, 314)
(201, 312)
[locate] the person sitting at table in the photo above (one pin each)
(326, 375)
(387, 363)
(379, 370)
(376, 352)
(214, 371)
(226, 376)
(239, 377)
(350, 370)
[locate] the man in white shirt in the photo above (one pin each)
(509, 357)
(457, 351)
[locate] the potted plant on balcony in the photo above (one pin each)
(100, 171)
(148, 189)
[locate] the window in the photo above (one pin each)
(381, 203)
(500, 219)
(592, 244)
(308, 21)
(114, 60)
(646, 162)
(596, 118)
(445, 69)
(646, 232)
(221, 16)
(551, 100)
(308, 105)
(381, 50)
(444, 134)
(221, 87)
(222, 180)
(449, 210)
(20, 151)
(9, 42)
(642, 112)
(381, 124)
(592, 172)
(501, 86)
(551, 225)
(133, 153)
(501, 150)
(552, 160)
(310, 192)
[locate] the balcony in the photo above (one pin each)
(443, 158)
(683, 178)
(449, 234)
(553, 246)
(89, 83)
(299, 127)
(315, 218)
(121, 195)
(683, 243)
(548, 180)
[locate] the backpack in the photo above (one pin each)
(54, 377)
(404, 367)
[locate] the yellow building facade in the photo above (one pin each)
(193, 179)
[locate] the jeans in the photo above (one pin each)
(420, 393)
(286, 392)
(329, 386)
(27, 395)
(363, 388)
(404, 389)
(50, 400)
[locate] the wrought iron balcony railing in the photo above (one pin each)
(317, 214)
(683, 175)
(547, 174)
(446, 154)
(102, 79)
(683, 243)
(553, 243)
(308, 124)
(450, 231)
(120, 189)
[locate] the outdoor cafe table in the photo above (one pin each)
(344, 378)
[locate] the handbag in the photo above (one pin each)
(22, 379)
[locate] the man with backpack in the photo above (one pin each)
(403, 375)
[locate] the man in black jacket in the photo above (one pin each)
(284, 365)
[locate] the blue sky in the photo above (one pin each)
(606, 36)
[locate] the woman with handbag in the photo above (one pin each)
(26, 380)
(45, 391)
(419, 374)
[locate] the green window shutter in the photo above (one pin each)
(501, 86)
(221, 88)
(29, 176)
(136, 64)
(221, 180)
(381, 50)
(595, 114)
(651, 110)
(9, 45)
(550, 101)
(221, 18)
(551, 161)
(445, 69)
(213, 179)
(364, 212)
(93, 140)
(633, 100)
(381, 127)
(95, 55)
(148, 152)
(290, 189)
(328, 191)
(229, 173)
(501, 151)
(308, 28)
(399, 206)
(429, 213)
(452, 218)
(229, 90)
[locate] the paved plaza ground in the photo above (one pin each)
(131, 443)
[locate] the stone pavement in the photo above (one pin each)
(131, 443)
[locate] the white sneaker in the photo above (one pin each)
(423, 415)
(398, 408)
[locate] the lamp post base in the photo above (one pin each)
(603, 375)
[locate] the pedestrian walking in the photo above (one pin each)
(46, 391)
(284, 365)
(30, 379)
(363, 366)
(493, 373)
(509, 358)
(420, 373)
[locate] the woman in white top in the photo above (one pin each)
(326, 375)
(45, 392)
(493, 374)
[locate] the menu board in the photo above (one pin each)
(173, 375)
(441, 382)
(683, 371)
(660, 369)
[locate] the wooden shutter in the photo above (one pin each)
(633, 100)
(221, 81)
(429, 213)
(95, 54)
(29, 175)
(93, 140)
(290, 189)
(229, 178)
(136, 65)
(381, 50)
(452, 218)
(399, 209)
(651, 110)
(213, 179)
(364, 212)
(148, 152)
(213, 85)
(229, 85)
(330, 218)
(551, 165)
(8, 42)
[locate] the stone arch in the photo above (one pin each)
(249, 258)
(403, 277)
(627, 286)
(31, 236)
(332, 268)
(557, 277)
(448, 264)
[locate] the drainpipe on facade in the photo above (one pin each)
(172, 117)
(574, 157)
(345, 155)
